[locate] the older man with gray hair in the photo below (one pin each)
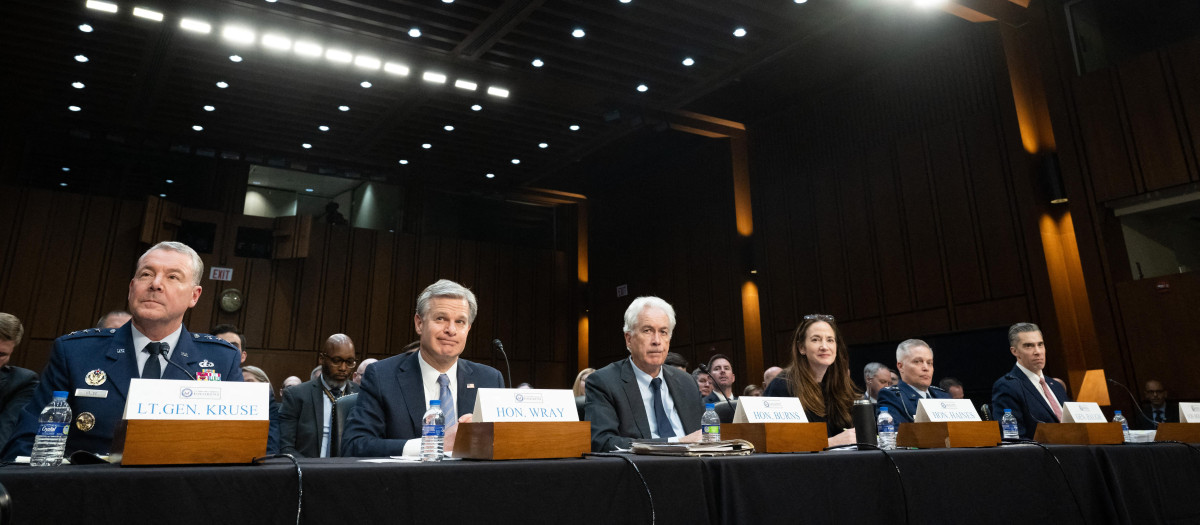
(395, 392)
(638, 397)
(914, 360)
(876, 376)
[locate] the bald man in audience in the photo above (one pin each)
(113, 319)
(876, 376)
(769, 375)
(309, 411)
(362, 369)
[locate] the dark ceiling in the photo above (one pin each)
(146, 83)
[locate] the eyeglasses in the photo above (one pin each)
(337, 361)
(819, 317)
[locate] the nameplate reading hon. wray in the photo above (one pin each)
(493, 405)
(190, 400)
(941, 410)
(751, 409)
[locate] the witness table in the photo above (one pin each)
(1148, 483)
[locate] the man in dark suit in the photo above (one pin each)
(95, 366)
(395, 392)
(1025, 390)
(308, 414)
(914, 360)
(16, 384)
(1156, 409)
(639, 398)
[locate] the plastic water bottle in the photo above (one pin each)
(887, 430)
(51, 440)
(433, 432)
(1118, 418)
(710, 424)
(1008, 425)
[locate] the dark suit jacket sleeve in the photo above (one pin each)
(600, 409)
(289, 420)
(778, 388)
(1006, 393)
(18, 390)
(890, 398)
(367, 425)
(686, 395)
(273, 427)
(56, 376)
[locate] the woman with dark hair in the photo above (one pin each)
(819, 375)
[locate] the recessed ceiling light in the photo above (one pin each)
(448, 127)
(447, 1)
(430, 76)
(626, 1)
(497, 92)
(574, 127)
(86, 28)
(465, 84)
(343, 108)
(642, 88)
(339, 55)
(195, 26)
(544, 145)
(63, 184)
(310, 190)
(235, 58)
(537, 62)
(367, 62)
(169, 181)
(414, 32)
(928, 3)
(197, 128)
(739, 32)
(209, 108)
(323, 128)
(74, 108)
(238, 34)
(365, 84)
(77, 85)
(222, 84)
(102, 6)
(476, 107)
(800, 1)
(162, 195)
(396, 69)
(403, 161)
(147, 14)
(578, 33)
(490, 175)
(66, 168)
(516, 161)
(306, 146)
(81, 58)
(308, 49)
(689, 62)
(426, 145)
(279, 42)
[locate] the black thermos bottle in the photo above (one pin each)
(863, 415)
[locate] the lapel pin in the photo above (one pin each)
(205, 363)
(95, 378)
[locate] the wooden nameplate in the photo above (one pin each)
(949, 434)
(1079, 433)
(1184, 432)
(523, 440)
(188, 442)
(779, 437)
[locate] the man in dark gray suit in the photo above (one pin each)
(16, 384)
(639, 398)
(308, 415)
(386, 420)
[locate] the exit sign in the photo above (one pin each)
(217, 273)
(623, 290)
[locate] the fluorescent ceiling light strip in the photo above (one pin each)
(437, 78)
(102, 6)
(195, 26)
(497, 92)
(465, 84)
(396, 69)
(148, 14)
(238, 34)
(339, 55)
(367, 62)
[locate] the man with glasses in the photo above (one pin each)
(308, 415)
(1156, 409)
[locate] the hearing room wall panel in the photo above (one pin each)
(955, 217)
(856, 219)
(1158, 136)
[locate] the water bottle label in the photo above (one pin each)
(712, 429)
(53, 429)
(887, 427)
(433, 430)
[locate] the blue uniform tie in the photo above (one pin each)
(153, 369)
(660, 413)
(447, 400)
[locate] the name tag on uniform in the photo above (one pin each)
(91, 392)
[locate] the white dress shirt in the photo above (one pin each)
(139, 344)
(1037, 385)
(643, 381)
(429, 377)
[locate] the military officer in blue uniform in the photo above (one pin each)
(914, 360)
(95, 366)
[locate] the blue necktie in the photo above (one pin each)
(660, 413)
(153, 369)
(447, 400)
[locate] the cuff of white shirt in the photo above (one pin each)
(412, 447)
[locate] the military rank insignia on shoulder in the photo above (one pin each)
(91, 332)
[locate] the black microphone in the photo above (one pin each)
(500, 346)
(1136, 405)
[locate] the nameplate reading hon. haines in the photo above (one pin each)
(190, 400)
(942, 410)
(493, 405)
(769, 410)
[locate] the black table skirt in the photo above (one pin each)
(1108, 484)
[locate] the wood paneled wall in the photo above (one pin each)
(68, 258)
